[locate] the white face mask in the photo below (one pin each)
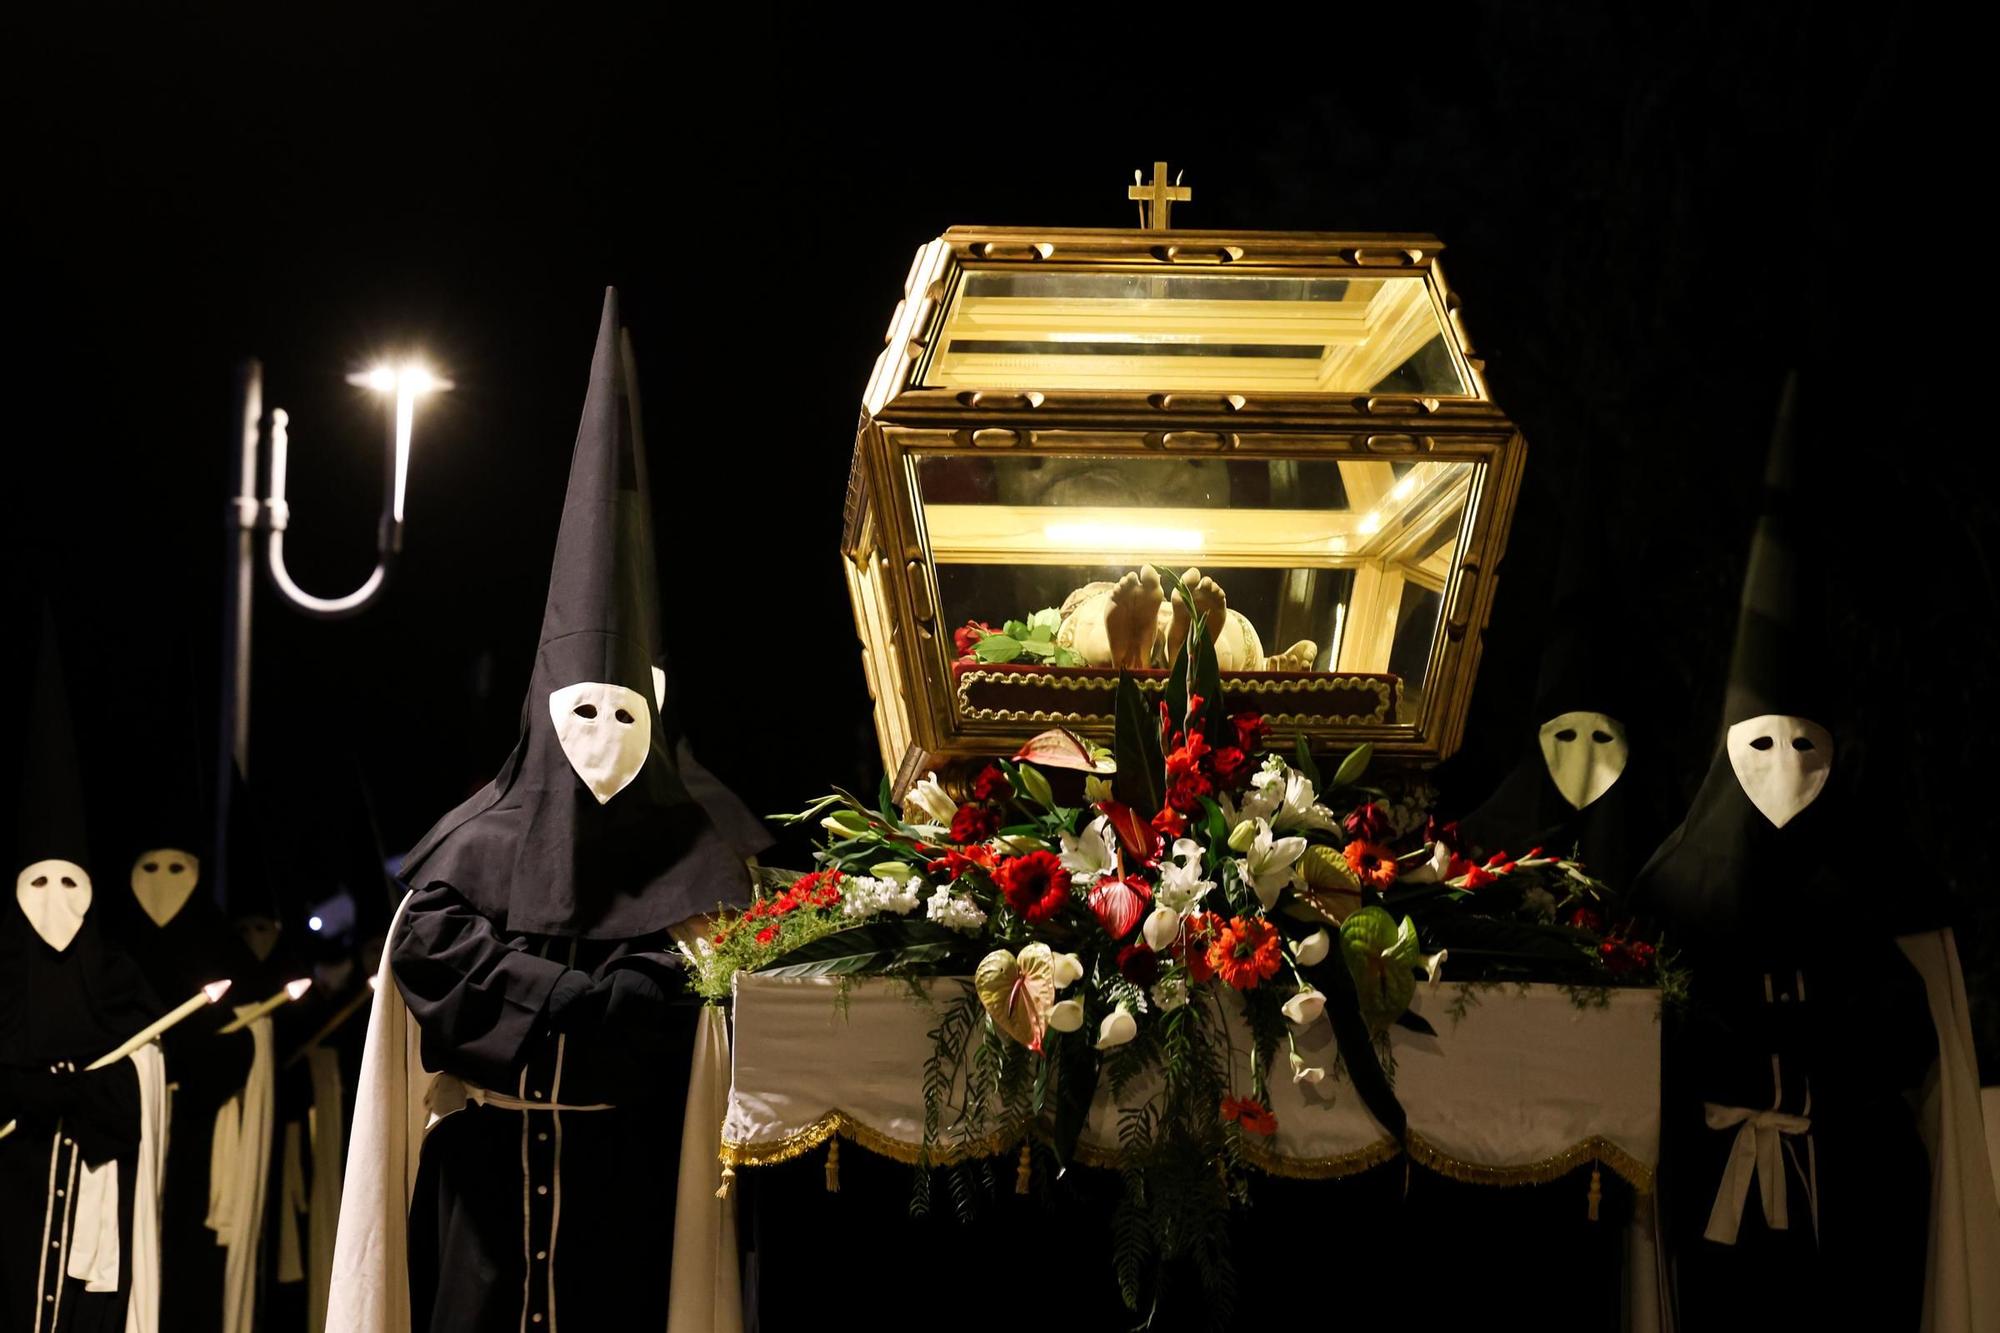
(54, 895)
(1586, 753)
(259, 934)
(162, 880)
(1782, 763)
(606, 733)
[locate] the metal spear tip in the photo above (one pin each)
(215, 990)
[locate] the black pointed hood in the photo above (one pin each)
(1727, 873)
(49, 822)
(535, 849)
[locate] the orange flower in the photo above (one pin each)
(1245, 952)
(1373, 864)
(1251, 1114)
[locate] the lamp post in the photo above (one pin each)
(403, 385)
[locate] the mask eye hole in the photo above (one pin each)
(176, 868)
(153, 867)
(40, 881)
(1802, 743)
(1601, 737)
(586, 711)
(1762, 743)
(1566, 735)
(68, 883)
(623, 716)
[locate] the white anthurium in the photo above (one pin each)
(1432, 870)
(1092, 854)
(1305, 1073)
(929, 803)
(1304, 1009)
(1066, 1015)
(1271, 864)
(1433, 965)
(1065, 968)
(1117, 1028)
(1313, 949)
(1162, 928)
(606, 732)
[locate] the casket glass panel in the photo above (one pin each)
(1220, 332)
(1349, 558)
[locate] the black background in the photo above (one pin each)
(1650, 215)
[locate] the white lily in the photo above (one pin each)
(1181, 885)
(1304, 1009)
(1091, 854)
(1313, 949)
(1271, 864)
(1066, 1015)
(1294, 802)
(929, 803)
(1117, 1028)
(1065, 968)
(1162, 928)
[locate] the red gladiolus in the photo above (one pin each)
(956, 863)
(1373, 864)
(1170, 823)
(1478, 878)
(974, 823)
(1251, 729)
(991, 784)
(1139, 964)
(1252, 1115)
(1035, 885)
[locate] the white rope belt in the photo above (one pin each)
(1758, 1154)
(504, 1102)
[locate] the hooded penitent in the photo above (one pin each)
(590, 830)
(67, 996)
(1793, 1181)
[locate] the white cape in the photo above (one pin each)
(94, 1248)
(239, 1170)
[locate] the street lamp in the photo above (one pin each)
(403, 384)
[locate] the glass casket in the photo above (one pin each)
(1299, 417)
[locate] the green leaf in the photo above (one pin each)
(1041, 633)
(1040, 648)
(1141, 767)
(1218, 823)
(874, 947)
(1017, 629)
(1048, 617)
(997, 648)
(1306, 763)
(1352, 767)
(1066, 658)
(1206, 681)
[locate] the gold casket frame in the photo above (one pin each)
(1102, 348)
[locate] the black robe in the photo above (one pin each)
(58, 1012)
(525, 1217)
(204, 1070)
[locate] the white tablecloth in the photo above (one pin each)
(1525, 1086)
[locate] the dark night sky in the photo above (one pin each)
(1650, 217)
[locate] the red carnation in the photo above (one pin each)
(991, 784)
(1139, 964)
(1233, 767)
(1036, 885)
(1367, 823)
(974, 823)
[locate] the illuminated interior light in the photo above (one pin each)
(315, 924)
(1121, 537)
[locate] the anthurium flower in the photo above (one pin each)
(1313, 949)
(1066, 1015)
(1139, 838)
(1305, 1073)
(1304, 1009)
(1119, 903)
(1117, 1028)
(1162, 927)
(929, 803)
(1065, 968)
(1092, 854)
(1271, 864)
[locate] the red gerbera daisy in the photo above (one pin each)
(1036, 885)
(1373, 864)
(1251, 1114)
(1246, 952)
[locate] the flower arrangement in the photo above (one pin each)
(1109, 929)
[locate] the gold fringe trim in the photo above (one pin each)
(1322, 683)
(1596, 1149)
